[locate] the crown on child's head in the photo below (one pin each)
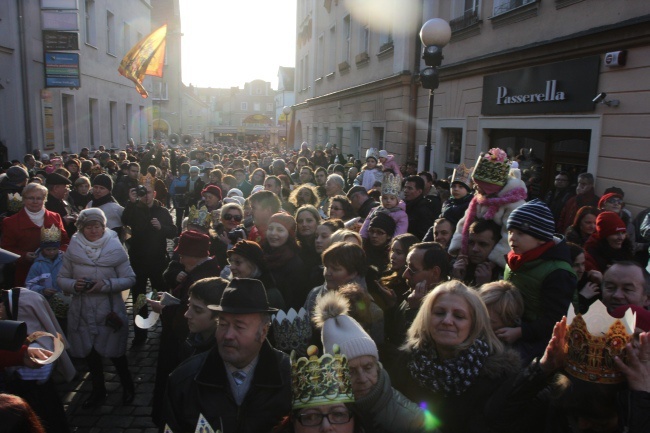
(50, 237)
(14, 202)
(391, 185)
(317, 381)
(199, 217)
(492, 167)
(462, 174)
(593, 341)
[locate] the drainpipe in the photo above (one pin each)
(411, 149)
(20, 7)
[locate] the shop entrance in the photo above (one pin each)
(542, 153)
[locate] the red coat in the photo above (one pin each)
(21, 236)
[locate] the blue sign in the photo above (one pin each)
(62, 70)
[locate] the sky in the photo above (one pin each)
(227, 43)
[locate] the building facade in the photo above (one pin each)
(562, 83)
(94, 105)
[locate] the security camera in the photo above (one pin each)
(599, 98)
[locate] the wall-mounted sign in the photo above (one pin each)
(60, 20)
(62, 70)
(59, 4)
(64, 41)
(559, 87)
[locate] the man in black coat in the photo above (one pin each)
(241, 385)
(58, 187)
(151, 225)
(361, 202)
(420, 211)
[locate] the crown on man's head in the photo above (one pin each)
(14, 202)
(593, 341)
(492, 167)
(199, 217)
(391, 185)
(318, 381)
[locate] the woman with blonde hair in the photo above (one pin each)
(455, 361)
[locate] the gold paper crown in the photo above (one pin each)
(14, 202)
(491, 169)
(199, 217)
(391, 185)
(51, 235)
(291, 330)
(592, 342)
(372, 153)
(318, 381)
(148, 180)
(462, 174)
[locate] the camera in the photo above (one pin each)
(236, 234)
(88, 285)
(141, 191)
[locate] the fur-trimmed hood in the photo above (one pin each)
(502, 364)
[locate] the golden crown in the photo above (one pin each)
(14, 202)
(53, 234)
(199, 217)
(317, 381)
(492, 167)
(391, 185)
(594, 340)
(462, 174)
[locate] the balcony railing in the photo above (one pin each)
(470, 17)
(505, 6)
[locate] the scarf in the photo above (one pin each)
(37, 217)
(515, 261)
(108, 198)
(493, 204)
(94, 249)
(278, 257)
(450, 376)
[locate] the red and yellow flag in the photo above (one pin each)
(145, 58)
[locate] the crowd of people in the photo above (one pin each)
(450, 305)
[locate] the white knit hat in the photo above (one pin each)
(339, 328)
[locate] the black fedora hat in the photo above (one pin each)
(244, 296)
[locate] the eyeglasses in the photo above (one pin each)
(412, 271)
(229, 217)
(313, 419)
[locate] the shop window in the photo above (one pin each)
(453, 146)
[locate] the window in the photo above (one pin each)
(347, 35)
(378, 138)
(67, 106)
(339, 138)
(93, 123)
(453, 146)
(464, 14)
(257, 106)
(143, 123)
(112, 112)
(129, 120)
(315, 140)
(110, 32)
(503, 6)
(320, 57)
(326, 135)
(364, 39)
(126, 38)
(91, 29)
(244, 106)
(385, 39)
(269, 106)
(331, 58)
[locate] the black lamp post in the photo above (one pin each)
(434, 35)
(286, 110)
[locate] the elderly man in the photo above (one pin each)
(242, 384)
(382, 408)
(361, 202)
(626, 283)
(58, 188)
(333, 186)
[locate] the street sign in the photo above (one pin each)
(62, 70)
(63, 41)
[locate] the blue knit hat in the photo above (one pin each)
(533, 218)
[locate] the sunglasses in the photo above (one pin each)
(229, 217)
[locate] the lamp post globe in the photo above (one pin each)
(286, 111)
(436, 31)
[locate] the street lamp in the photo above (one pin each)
(435, 34)
(286, 110)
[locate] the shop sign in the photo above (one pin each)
(556, 88)
(64, 41)
(62, 70)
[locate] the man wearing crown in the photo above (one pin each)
(151, 225)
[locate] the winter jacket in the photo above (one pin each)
(466, 413)
(87, 314)
(500, 217)
(21, 236)
(113, 212)
(454, 209)
(200, 386)
(397, 213)
(391, 164)
(421, 215)
(547, 285)
(386, 410)
(572, 206)
(367, 178)
(42, 275)
(599, 255)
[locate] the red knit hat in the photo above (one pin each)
(608, 223)
(212, 189)
(193, 244)
(603, 199)
(285, 220)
